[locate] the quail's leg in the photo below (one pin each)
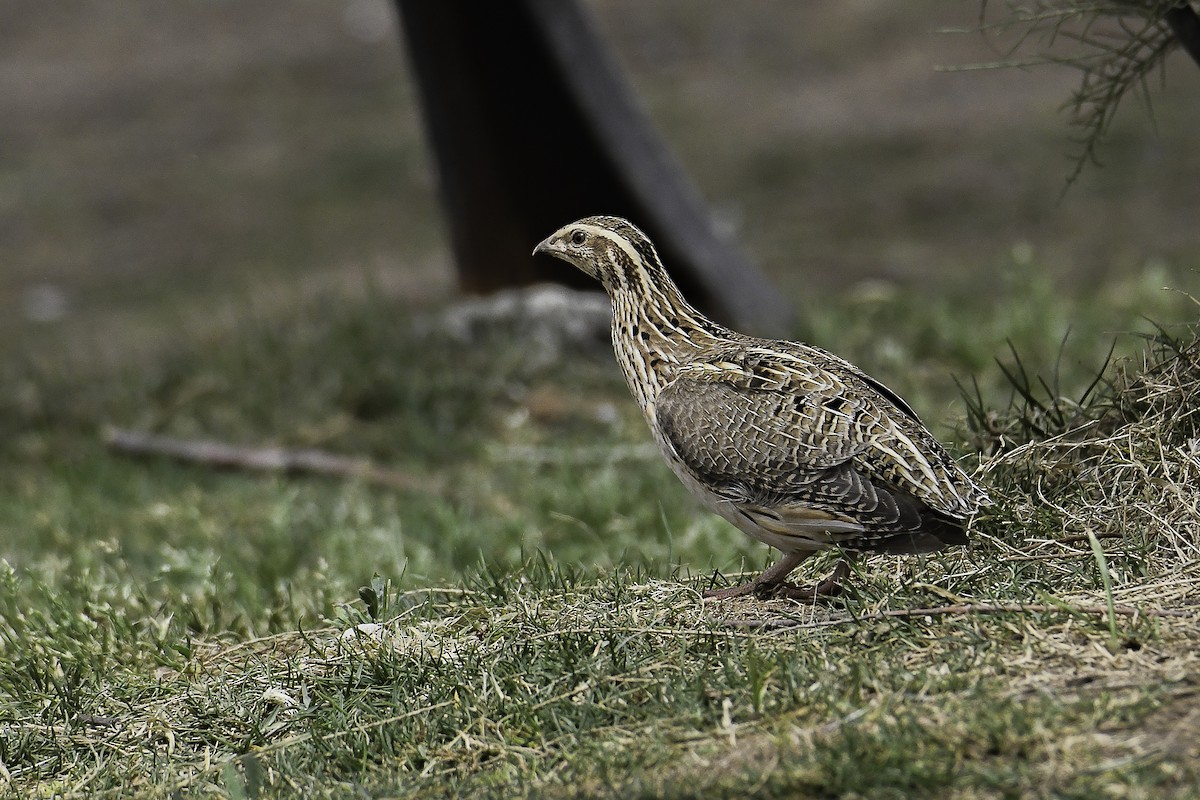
(830, 587)
(772, 583)
(767, 584)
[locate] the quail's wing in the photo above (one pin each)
(784, 432)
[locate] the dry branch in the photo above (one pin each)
(1185, 24)
(786, 624)
(224, 455)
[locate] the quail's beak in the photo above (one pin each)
(547, 246)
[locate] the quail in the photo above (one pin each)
(794, 446)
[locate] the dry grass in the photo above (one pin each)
(643, 690)
(1121, 466)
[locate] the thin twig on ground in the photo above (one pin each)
(1084, 537)
(786, 624)
(224, 455)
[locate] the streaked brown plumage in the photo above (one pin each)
(794, 446)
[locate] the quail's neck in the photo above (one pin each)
(654, 329)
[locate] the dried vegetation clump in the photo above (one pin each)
(1121, 463)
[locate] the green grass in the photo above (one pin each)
(531, 623)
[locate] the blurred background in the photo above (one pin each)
(164, 165)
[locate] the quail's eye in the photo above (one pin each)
(578, 237)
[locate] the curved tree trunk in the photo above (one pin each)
(532, 126)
